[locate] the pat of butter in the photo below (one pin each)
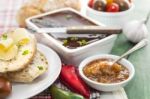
(24, 41)
(6, 44)
(20, 36)
(9, 54)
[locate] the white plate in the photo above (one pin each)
(24, 91)
(120, 94)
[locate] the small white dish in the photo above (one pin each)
(25, 91)
(103, 86)
(111, 19)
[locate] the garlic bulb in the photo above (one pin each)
(135, 31)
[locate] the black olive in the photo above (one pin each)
(123, 4)
(99, 5)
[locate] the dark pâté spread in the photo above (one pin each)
(68, 18)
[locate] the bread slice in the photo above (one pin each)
(20, 61)
(37, 67)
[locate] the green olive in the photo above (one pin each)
(5, 87)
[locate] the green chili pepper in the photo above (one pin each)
(58, 93)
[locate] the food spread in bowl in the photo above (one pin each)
(100, 71)
(109, 5)
(75, 42)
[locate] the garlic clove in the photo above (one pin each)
(135, 31)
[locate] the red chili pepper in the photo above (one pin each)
(91, 3)
(69, 76)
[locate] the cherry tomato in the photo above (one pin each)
(113, 7)
(91, 2)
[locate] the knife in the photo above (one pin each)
(82, 30)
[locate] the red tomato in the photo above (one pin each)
(91, 2)
(113, 7)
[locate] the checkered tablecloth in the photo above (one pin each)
(8, 9)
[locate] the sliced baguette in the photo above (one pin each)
(37, 67)
(20, 61)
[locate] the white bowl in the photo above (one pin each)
(75, 56)
(103, 86)
(111, 19)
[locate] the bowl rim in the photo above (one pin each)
(90, 59)
(112, 14)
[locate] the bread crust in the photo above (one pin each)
(35, 7)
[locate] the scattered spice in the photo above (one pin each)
(73, 42)
(73, 38)
(40, 67)
(65, 42)
(4, 36)
(25, 52)
(82, 42)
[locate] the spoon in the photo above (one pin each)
(136, 47)
(147, 18)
